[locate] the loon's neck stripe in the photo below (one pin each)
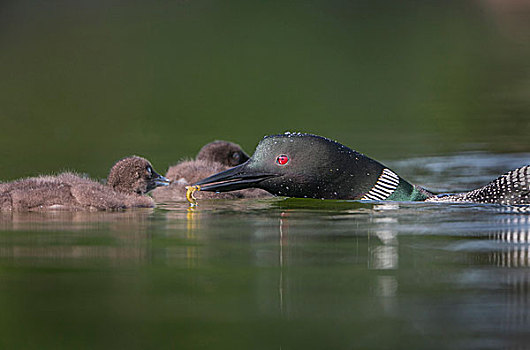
(386, 184)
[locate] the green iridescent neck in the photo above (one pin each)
(407, 192)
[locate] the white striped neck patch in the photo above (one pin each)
(386, 184)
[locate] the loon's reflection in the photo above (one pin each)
(384, 255)
(511, 256)
(379, 251)
(511, 240)
(283, 241)
(391, 255)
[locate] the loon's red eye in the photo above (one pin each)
(282, 159)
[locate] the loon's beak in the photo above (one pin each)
(236, 178)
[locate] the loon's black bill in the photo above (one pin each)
(236, 178)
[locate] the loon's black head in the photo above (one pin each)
(304, 166)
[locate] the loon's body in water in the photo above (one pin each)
(310, 166)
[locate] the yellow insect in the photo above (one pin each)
(189, 194)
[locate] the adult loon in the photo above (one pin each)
(310, 166)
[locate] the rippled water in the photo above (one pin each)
(275, 273)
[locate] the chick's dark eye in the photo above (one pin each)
(236, 156)
(149, 171)
(282, 159)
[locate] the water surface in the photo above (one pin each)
(274, 273)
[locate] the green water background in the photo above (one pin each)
(85, 83)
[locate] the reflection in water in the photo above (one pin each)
(511, 256)
(284, 238)
(75, 252)
(405, 264)
(386, 289)
(381, 253)
(506, 249)
(67, 220)
(386, 286)
(58, 236)
(192, 252)
(513, 240)
(385, 257)
(509, 233)
(516, 293)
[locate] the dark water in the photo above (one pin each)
(273, 273)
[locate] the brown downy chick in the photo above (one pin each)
(128, 182)
(214, 157)
(223, 152)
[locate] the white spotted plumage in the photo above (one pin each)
(512, 188)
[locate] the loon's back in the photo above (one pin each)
(512, 188)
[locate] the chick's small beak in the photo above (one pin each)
(162, 181)
(236, 178)
(157, 181)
